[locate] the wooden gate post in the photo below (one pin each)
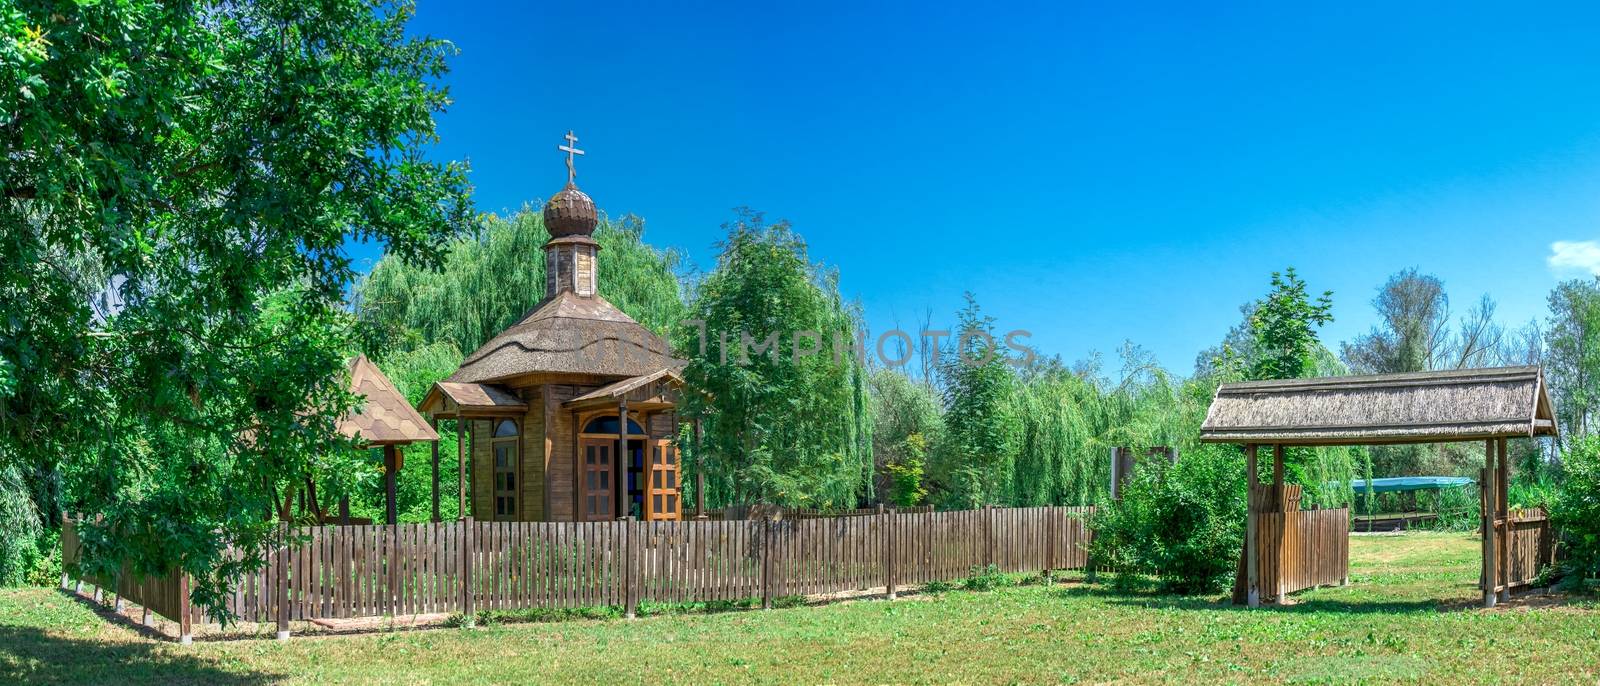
(1251, 545)
(1490, 573)
(1502, 481)
(890, 552)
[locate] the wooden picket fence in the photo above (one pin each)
(1296, 549)
(340, 572)
(736, 512)
(1312, 549)
(1532, 545)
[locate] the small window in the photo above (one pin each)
(608, 425)
(505, 428)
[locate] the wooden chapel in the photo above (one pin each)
(571, 412)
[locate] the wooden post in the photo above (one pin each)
(391, 464)
(1503, 507)
(767, 562)
(280, 565)
(632, 573)
(891, 552)
(1279, 507)
(1490, 571)
(622, 462)
(461, 469)
(988, 537)
(344, 510)
(467, 547)
(436, 516)
(1251, 553)
(1050, 533)
(185, 620)
(699, 472)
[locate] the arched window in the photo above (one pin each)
(504, 445)
(608, 425)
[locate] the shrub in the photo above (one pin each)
(19, 529)
(1575, 511)
(985, 579)
(1182, 524)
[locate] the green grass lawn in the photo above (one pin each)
(1409, 616)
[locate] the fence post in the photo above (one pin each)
(1049, 542)
(468, 617)
(281, 566)
(891, 551)
(766, 562)
(633, 573)
(988, 537)
(185, 612)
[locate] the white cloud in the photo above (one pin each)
(1575, 256)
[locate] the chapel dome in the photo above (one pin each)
(570, 213)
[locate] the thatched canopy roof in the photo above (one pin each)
(569, 334)
(386, 418)
(1422, 407)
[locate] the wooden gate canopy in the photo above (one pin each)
(1379, 409)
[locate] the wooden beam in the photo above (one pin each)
(1252, 587)
(461, 470)
(391, 464)
(1503, 506)
(619, 467)
(435, 424)
(1490, 499)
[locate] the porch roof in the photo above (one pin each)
(453, 399)
(1379, 409)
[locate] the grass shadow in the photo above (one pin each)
(1213, 603)
(31, 656)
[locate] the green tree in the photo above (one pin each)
(173, 172)
(906, 423)
(776, 377)
(976, 458)
(1284, 326)
(1573, 358)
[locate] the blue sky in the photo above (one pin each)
(1093, 174)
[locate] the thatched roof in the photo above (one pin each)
(1422, 407)
(385, 417)
(569, 334)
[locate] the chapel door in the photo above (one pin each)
(596, 457)
(662, 498)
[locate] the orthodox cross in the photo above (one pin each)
(571, 148)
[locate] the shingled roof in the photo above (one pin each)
(569, 334)
(1421, 407)
(385, 417)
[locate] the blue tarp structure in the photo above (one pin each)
(1406, 483)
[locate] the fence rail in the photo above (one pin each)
(339, 572)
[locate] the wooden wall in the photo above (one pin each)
(530, 501)
(560, 480)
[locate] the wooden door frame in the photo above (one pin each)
(651, 491)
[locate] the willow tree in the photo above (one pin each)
(495, 276)
(169, 168)
(775, 375)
